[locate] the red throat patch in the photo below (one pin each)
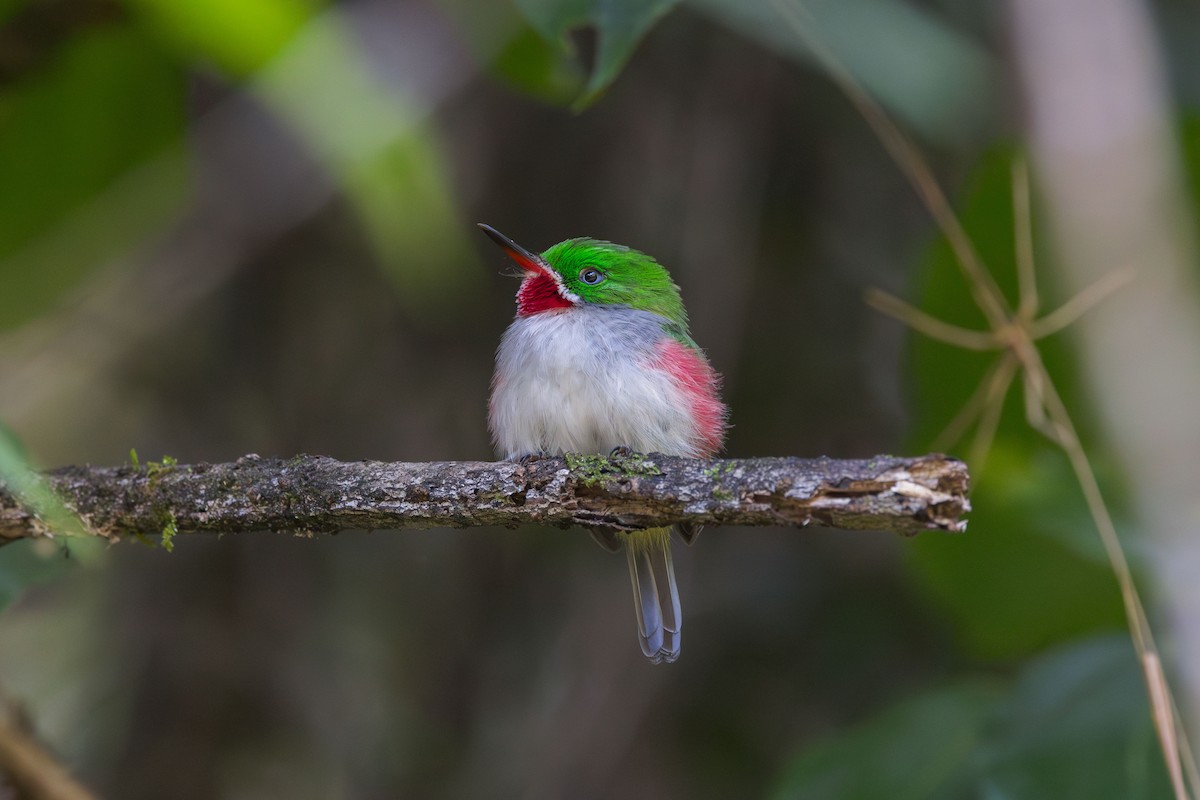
(539, 292)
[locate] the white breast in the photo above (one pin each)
(582, 381)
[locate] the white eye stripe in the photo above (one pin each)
(562, 288)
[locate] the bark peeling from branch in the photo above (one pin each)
(315, 494)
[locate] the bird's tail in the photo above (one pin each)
(655, 596)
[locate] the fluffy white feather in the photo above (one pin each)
(580, 380)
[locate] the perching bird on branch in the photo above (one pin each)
(599, 358)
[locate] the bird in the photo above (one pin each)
(599, 360)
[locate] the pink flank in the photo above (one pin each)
(698, 382)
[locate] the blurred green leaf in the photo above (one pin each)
(1075, 725)
(310, 69)
(515, 52)
(30, 561)
(533, 65)
(378, 147)
(403, 198)
(29, 487)
(947, 92)
(238, 36)
(7, 7)
(619, 26)
(1028, 572)
(917, 750)
(109, 102)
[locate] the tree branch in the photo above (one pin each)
(311, 494)
(30, 769)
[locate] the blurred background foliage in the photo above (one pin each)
(247, 226)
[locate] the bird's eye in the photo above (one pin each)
(591, 276)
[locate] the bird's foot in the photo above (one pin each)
(529, 459)
(621, 451)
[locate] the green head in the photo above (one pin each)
(592, 271)
(607, 273)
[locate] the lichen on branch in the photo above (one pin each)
(316, 494)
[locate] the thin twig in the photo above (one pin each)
(1018, 333)
(906, 155)
(31, 768)
(1027, 306)
(989, 421)
(967, 416)
(930, 325)
(1081, 303)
